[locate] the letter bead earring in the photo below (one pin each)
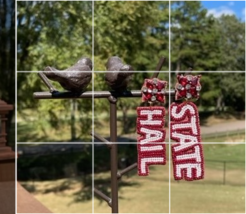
(187, 153)
(150, 126)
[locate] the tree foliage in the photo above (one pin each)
(59, 33)
(136, 31)
(231, 43)
(55, 34)
(194, 40)
(52, 33)
(223, 90)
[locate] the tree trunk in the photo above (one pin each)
(219, 104)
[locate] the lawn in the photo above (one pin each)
(34, 128)
(151, 194)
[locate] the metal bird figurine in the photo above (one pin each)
(119, 74)
(74, 79)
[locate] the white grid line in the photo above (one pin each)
(93, 109)
(169, 140)
(16, 107)
(169, 72)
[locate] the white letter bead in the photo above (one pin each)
(151, 146)
(187, 153)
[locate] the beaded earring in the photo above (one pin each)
(187, 153)
(150, 126)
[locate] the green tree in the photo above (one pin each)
(223, 90)
(194, 41)
(52, 33)
(58, 33)
(135, 31)
(55, 34)
(231, 43)
(214, 44)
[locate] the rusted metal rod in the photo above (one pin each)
(160, 64)
(158, 67)
(113, 153)
(90, 94)
(155, 74)
(100, 138)
(103, 196)
(127, 169)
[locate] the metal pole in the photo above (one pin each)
(159, 66)
(128, 169)
(113, 153)
(100, 138)
(103, 196)
(90, 94)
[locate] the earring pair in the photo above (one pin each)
(187, 154)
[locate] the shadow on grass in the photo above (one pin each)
(29, 187)
(84, 192)
(223, 116)
(56, 188)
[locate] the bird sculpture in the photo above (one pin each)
(118, 74)
(74, 79)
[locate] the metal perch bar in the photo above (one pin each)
(160, 64)
(90, 94)
(100, 138)
(127, 169)
(103, 196)
(158, 67)
(155, 75)
(113, 153)
(112, 97)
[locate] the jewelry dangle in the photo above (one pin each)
(187, 153)
(150, 126)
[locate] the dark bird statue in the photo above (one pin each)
(119, 74)
(74, 79)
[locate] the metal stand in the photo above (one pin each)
(112, 96)
(113, 153)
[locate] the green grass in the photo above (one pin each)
(151, 194)
(42, 131)
(145, 195)
(225, 137)
(30, 128)
(207, 198)
(233, 153)
(61, 200)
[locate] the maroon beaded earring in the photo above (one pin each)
(187, 153)
(150, 126)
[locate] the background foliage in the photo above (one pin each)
(55, 34)
(59, 33)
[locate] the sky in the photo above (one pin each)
(217, 8)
